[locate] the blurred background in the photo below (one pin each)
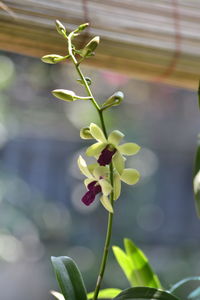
(40, 186)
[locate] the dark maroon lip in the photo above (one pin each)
(106, 156)
(89, 197)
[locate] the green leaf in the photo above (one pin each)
(196, 179)
(69, 278)
(105, 294)
(136, 266)
(145, 293)
(183, 282)
(194, 294)
(141, 266)
(197, 158)
(125, 263)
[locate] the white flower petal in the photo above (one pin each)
(100, 171)
(83, 167)
(105, 186)
(95, 149)
(106, 203)
(130, 176)
(97, 133)
(128, 148)
(117, 186)
(115, 137)
(118, 162)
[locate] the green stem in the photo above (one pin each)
(110, 215)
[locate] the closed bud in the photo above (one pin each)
(81, 27)
(52, 58)
(89, 81)
(65, 95)
(114, 100)
(85, 133)
(90, 47)
(60, 27)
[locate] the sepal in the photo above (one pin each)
(85, 133)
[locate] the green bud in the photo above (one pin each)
(85, 133)
(90, 47)
(113, 100)
(81, 27)
(65, 95)
(89, 81)
(60, 27)
(52, 58)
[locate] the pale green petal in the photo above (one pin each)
(105, 186)
(106, 203)
(118, 162)
(95, 149)
(97, 133)
(83, 167)
(100, 171)
(91, 167)
(88, 181)
(128, 148)
(130, 176)
(57, 295)
(115, 137)
(117, 186)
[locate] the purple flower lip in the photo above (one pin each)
(106, 156)
(89, 197)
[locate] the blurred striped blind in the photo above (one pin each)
(150, 40)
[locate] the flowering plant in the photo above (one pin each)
(104, 177)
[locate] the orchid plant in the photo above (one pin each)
(104, 177)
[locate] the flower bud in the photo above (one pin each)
(85, 133)
(65, 95)
(60, 27)
(89, 81)
(81, 27)
(52, 58)
(114, 100)
(90, 47)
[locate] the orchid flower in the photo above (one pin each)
(108, 149)
(96, 182)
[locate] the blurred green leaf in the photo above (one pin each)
(136, 266)
(183, 282)
(69, 278)
(145, 293)
(195, 294)
(105, 294)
